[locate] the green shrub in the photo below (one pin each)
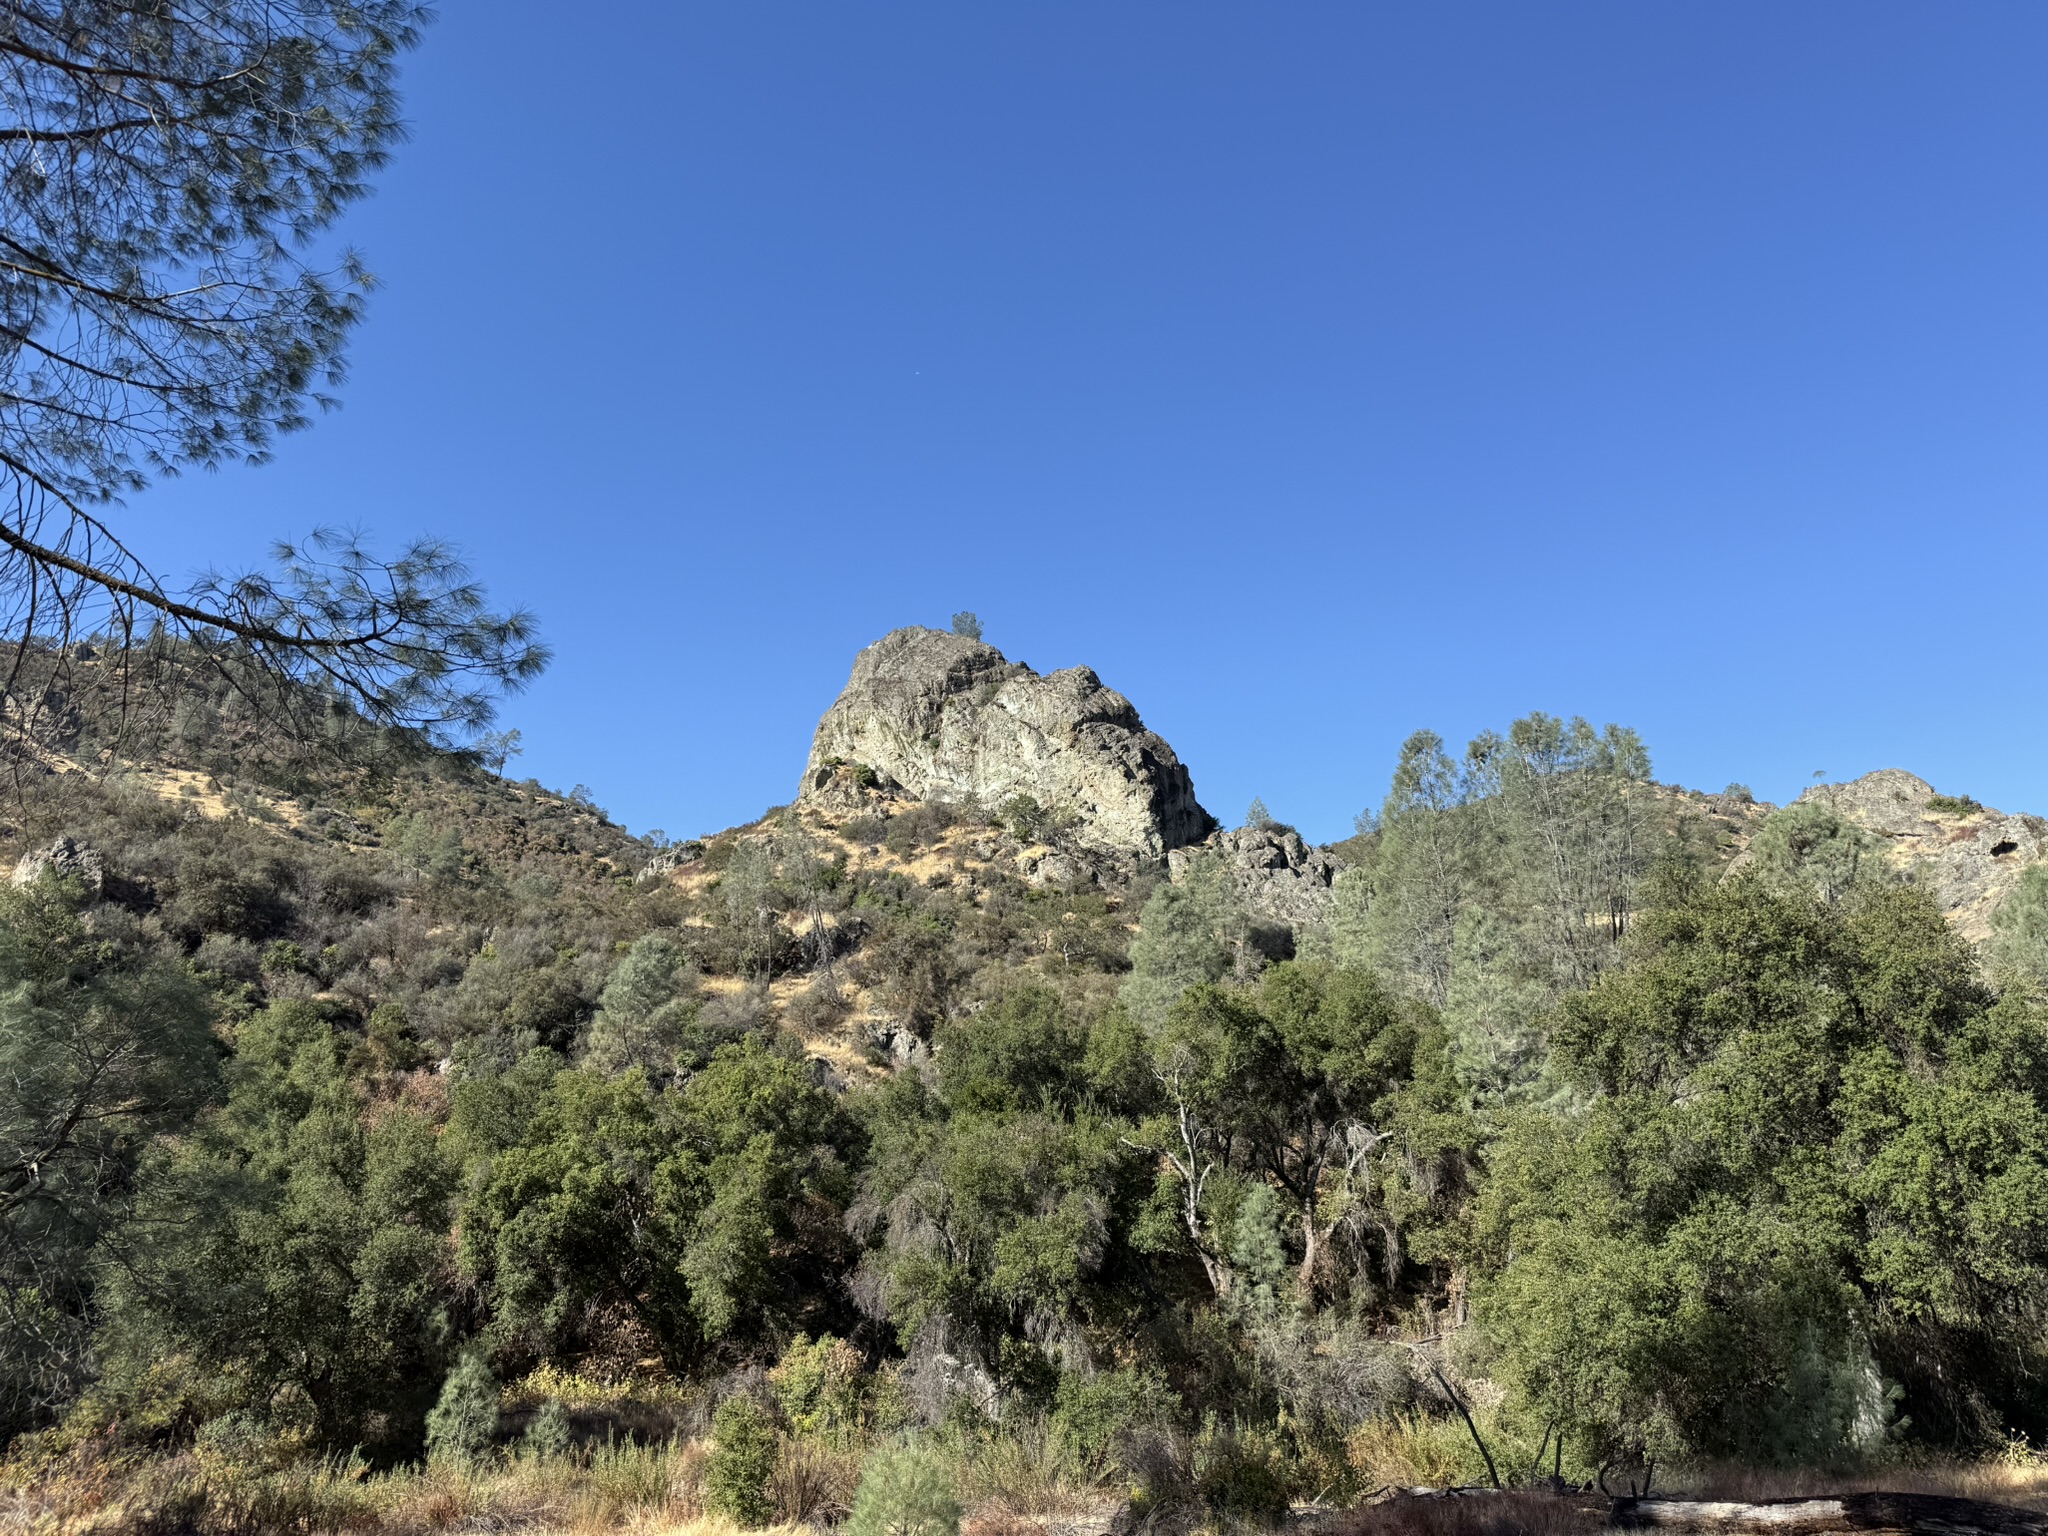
(741, 1463)
(860, 773)
(465, 1420)
(865, 829)
(548, 1435)
(1954, 805)
(1023, 816)
(1093, 1416)
(1241, 1475)
(905, 1490)
(818, 1386)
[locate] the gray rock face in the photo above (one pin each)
(941, 717)
(1969, 861)
(1273, 872)
(71, 860)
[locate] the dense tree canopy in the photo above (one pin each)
(1813, 1164)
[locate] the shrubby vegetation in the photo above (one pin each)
(376, 1108)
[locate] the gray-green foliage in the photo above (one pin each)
(101, 1047)
(465, 1419)
(1491, 884)
(2017, 950)
(170, 169)
(1258, 1258)
(1188, 932)
(905, 1490)
(1399, 913)
(1183, 939)
(1496, 998)
(644, 1012)
(749, 904)
(1809, 844)
(1577, 813)
(741, 1463)
(548, 1435)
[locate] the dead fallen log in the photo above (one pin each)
(1879, 1514)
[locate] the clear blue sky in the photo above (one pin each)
(1314, 372)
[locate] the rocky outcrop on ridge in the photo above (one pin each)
(1270, 870)
(1969, 856)
(940, 717)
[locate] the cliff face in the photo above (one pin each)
(945, 718)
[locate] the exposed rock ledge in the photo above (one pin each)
(1271, 870)
(944, 718)
(1969, 858)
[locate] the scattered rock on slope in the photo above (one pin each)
(945, 718)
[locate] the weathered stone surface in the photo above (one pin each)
(1970, 862)
(941, 717)
(671, 860)
(1272, 871)
(71, 860)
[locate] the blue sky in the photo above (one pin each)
(1314, 372)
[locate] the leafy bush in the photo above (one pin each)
(1094, 1416)
(906, 1490)
(818, 1386)
(1810, 845)
(742, 1462)
(865, 829)
(1954, 805)
(465, 1420)
(860, 773)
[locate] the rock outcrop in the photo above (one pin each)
(941, 717)
(71, 860)
(1271, 870)
(1969, 856)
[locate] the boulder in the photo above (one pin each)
(70, 859)
(940, 717)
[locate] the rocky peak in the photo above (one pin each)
(941, 717)
(1970, 856)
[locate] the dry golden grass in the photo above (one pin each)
(619, 1487)
(2023, 1483)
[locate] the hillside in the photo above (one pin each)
(990, 1091)
(1044, 817)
